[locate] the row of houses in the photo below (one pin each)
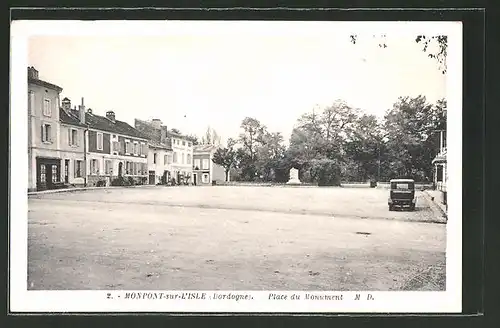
(71, 145)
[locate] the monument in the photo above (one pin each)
(294, 177)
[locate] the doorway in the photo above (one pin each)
(66, 171)
(152, 177)
(48, 172)
(120, 169)
(195, 178)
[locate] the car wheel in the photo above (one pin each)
(391, 208)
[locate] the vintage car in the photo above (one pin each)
(402, 194)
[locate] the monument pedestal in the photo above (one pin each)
(294, 177)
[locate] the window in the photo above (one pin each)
(47, 110)
(189, 144)
(197, 163)
(55, 176)
(205, 178)
(46, 133)
(78, 168)
(116, 146)
(175, 157)
(169, 159)
(165, 159)
(42, 173)
(439, 173)
(108, 167)
(73, 137)
(136, 148)
(183, 156)
(128, 146)
(144, 149)
(188, 158)
(183, 142)
(206, 164)
(99, 141)
(154, 158)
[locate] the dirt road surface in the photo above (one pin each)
(232, 238)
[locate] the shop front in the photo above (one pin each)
(48, 173)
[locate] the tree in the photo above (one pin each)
(439, 41)
(226, 157)
(363, 149)
(211, 137)
(193, 139)
(411, 127)
(269, 152)
(250, 138)
(321, 134)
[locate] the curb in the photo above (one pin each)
(436, 209)
(56, 191)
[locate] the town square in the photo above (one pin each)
(316, 163)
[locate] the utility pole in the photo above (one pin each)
(378, 173)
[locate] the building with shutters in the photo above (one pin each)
(170, 154)
(112, 148)
(44, 139)
(205, 171)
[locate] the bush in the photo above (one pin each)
(327, 172)
(101, 183)
(121, 181)
(131, 181)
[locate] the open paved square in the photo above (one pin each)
(232, 238)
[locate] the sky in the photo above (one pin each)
(192, 81)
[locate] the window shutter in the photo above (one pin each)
(49, 133)
(43, 135)
(70, 133)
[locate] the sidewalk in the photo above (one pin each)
(54, 191)
(434, 198)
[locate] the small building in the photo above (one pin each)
(159, 163)
(44, 139)
(170, 155)
(205, 171)
(72, 133)
(440, 168)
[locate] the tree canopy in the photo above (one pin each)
(341, 143)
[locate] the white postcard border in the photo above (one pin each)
(22, 300)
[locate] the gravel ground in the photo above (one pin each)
(232, 238)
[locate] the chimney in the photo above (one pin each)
(164, 135)
(66, 104)
(110, 115)
(156, 123)
(89, 110)
(81, 112)
(32, 73)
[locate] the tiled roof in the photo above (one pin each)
(204, 148)
(102, 123)
(68, 118)
(44, 84)
(155, 144)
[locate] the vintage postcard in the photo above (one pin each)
(236, 166)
